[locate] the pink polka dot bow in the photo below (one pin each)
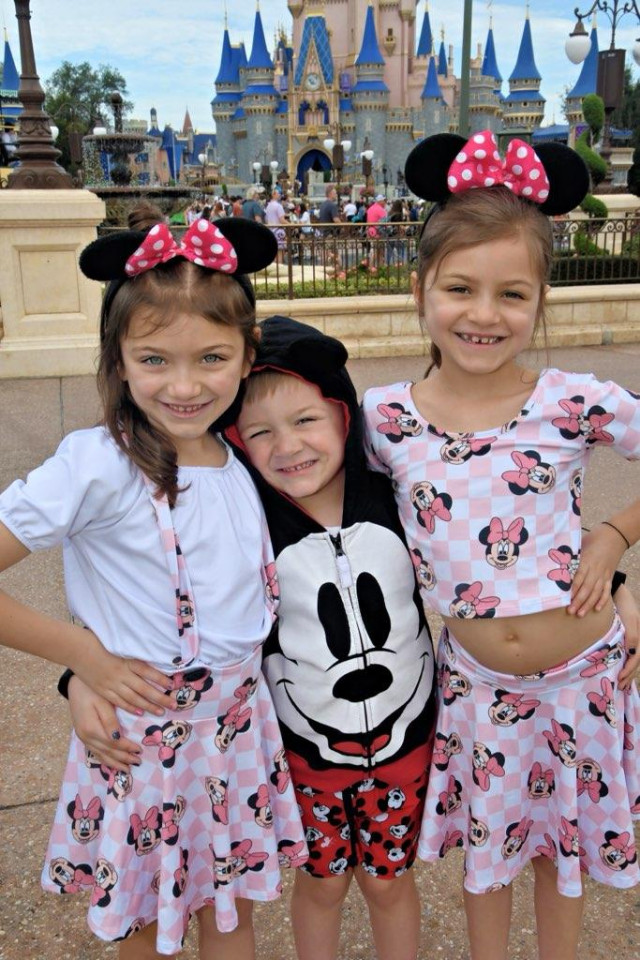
(480, 165)
(203, 243)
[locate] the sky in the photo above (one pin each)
(169, 52)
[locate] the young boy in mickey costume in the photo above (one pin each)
(350, 663)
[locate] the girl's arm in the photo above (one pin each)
(630, 616)
(602, 550)
(130, 684)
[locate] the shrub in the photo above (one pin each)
(594, 207)
(597, 166)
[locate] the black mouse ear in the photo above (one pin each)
(427, 166)
(255, 245)
(568, 177)
(105, 258)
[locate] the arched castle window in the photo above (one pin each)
(304, 108)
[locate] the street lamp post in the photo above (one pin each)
(367, 163)
(337, 151)
(38, 168)
(273, 166)
(610, 77)
(202, 159)
(465, 69)
(385, 179)
(256, 166)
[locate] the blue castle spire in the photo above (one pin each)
(425, 43)
(443, 69)
(370, 51)
(10, 76)
(489, 63)
(586, 82)
(225, 73)
(525, 68)
(431, 86)
(259, 59)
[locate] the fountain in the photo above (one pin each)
(108, 173)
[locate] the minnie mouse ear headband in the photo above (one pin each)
(552, 176)
(232, 245)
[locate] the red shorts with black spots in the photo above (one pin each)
(371, 823)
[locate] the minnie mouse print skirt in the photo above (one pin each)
(544, 765)
(208, 816)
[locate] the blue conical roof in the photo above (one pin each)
(443, 70)
(369, 51)
(259, 59)
(587, 81)
(431, 85)
(425, 43)
(225, 73)
(238, 59)
(489, 63)
(10, 76)
(525, 68)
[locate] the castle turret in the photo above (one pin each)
(10, 106)
(435, 111)
(524, 106)
(443, 70)
(489, 62)
(227, 99)
(485, 97)
(260, 101)
(425, 43)
(370, 94)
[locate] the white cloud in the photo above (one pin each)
(169, 53)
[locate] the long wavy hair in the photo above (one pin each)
(483, 216)
(159, 296)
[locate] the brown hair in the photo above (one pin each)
(482, 216)
(263, 383)
(160, 295)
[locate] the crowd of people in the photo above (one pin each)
(305, 226)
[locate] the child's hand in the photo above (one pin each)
(630, 616)
(96, 724)
(130, 684)
(601, 551)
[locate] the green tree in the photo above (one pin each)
(593, 113)
(77, 98)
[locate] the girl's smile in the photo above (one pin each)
(481, 304)
(183, 376)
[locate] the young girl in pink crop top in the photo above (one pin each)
(536, 754)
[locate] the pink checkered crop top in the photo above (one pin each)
(492, 518)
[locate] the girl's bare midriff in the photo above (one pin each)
(527, 644)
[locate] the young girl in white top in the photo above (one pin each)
(536, 754)
(169, 567)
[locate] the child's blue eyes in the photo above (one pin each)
(155, 361)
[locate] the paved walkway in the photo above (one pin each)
(34, 415)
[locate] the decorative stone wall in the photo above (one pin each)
(387, 326)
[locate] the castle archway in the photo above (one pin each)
(313, 159)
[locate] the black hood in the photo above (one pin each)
(289, 346)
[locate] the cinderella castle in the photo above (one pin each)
(373, 76)
(368, 75)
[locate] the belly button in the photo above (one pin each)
(511, 637)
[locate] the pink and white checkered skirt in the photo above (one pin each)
(543, 765)
(208, 816)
